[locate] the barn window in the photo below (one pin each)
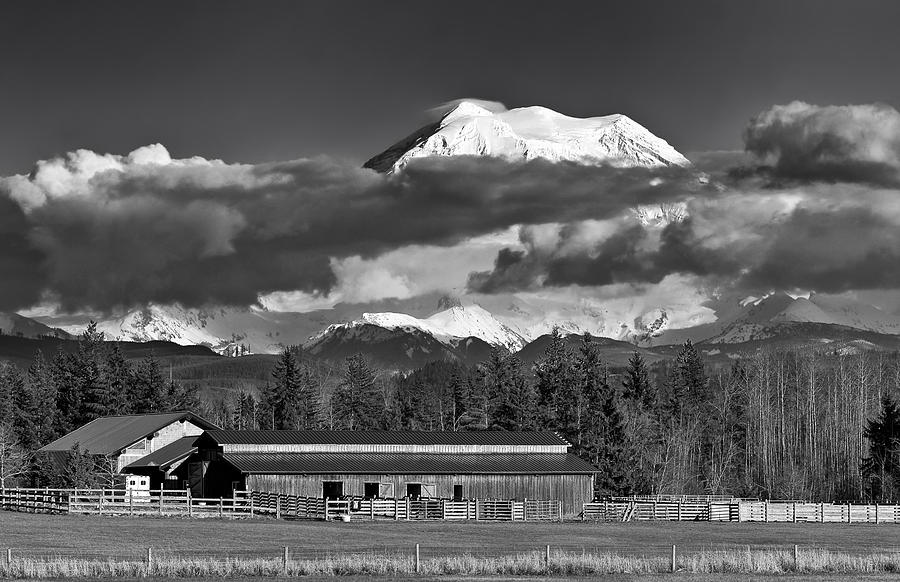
(332, 489)
(457, 492)
(371, 490)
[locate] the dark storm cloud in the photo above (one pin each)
(824, 216)
(104, 232)
(851, 143)
(631, 254)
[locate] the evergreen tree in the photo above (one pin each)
(69, 398)
(637, 385)
(97, 399)
(151, 392)
(601, 437)
(555, 377)
(688, 382)
(119, 379)
(881, 469)
(510, 396)
(37, 420)
(357, 401)
(293, 396)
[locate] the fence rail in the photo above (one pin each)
(282, 506)
(297, 507)
(674, 509)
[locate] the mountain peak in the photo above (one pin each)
(528, 133)
(465, 109)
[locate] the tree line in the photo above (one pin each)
(57, 395)
(805, 424)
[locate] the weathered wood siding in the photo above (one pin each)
(164, 436)
(572, 490)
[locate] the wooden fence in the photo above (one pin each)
(649, 509)
(297, 507)
(180, 503)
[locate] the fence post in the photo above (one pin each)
(149, 559)
(876, 512)
(161, 499)
(407, 508)
(251, 504)
(794, 512)
(673, 557)
(284, 559)
(796, 567)
(559, 510)
(525, 511)
(100, 503)
(547, 558)
(9, 556)
(849, 519)
(417, 558)
(190, 504)
(278, 508)
(396, 509)
(678, 504)
(476, 509)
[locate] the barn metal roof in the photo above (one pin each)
(385, 437)
(167, 455)
(111, 434)
(405, 463)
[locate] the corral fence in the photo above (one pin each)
(180, 503)
(698, 508)
(298, 507)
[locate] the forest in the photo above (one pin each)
(812, 424)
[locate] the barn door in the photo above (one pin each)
(196, 474)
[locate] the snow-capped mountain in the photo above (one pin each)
(529, 133)
(768, 316)
(447, 326)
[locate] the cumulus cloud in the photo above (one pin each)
(849, 143)
(104, 231)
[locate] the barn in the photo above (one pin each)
(392, 464)
(129, 438)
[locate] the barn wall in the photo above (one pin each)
(164, 436)
(572, 490)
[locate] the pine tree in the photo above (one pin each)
(357, 401)
(151, 393)
(69, 398)
(637, 385)
(881, 469)
(119, 379)
(555, 376)
(97, 400)
(511, 400)
(601, 437)
(688, 382)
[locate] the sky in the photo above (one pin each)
(209, 153)
(279, 80)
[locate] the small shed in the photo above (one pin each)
(392, 464)
(129, 438)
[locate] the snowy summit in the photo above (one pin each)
(528, 133)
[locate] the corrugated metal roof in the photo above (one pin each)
(434, 464)
(385, 437)
(111, 434)
(162, 458)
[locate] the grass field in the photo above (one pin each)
(93, 535)
(93, 546)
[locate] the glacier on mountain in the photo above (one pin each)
(529, 133)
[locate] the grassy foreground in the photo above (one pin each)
(531, 564)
